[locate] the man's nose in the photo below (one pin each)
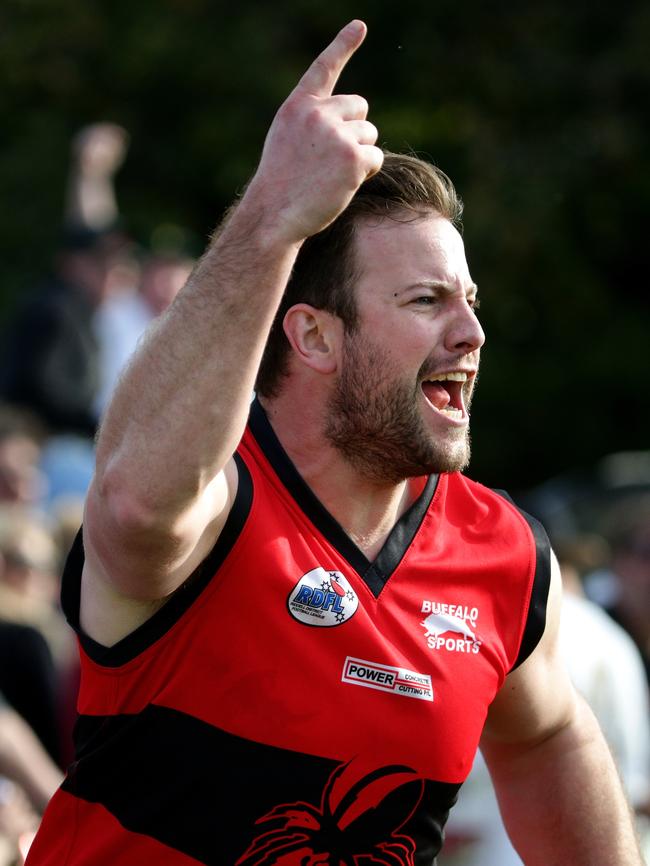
(465, 333)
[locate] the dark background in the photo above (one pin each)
(537, 110)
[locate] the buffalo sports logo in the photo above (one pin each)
(450, 627)
(323, 598)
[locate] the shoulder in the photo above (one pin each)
(489, 520)
(491, 510)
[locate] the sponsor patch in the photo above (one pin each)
(451, 627)
(386, 678)
(323, 598)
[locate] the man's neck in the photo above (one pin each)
(367, 509)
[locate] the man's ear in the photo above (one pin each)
(314, 336)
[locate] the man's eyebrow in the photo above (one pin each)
(441, 286)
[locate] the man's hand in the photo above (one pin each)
(319, 149)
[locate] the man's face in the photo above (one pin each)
(400, 406)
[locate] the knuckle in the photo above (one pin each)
(363, 106)
(298, 111)
(289, 108)
(371, 132)
(376, 160)
(350, 150)
(313, 117)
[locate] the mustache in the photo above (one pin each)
(433, 366)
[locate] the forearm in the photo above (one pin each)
(562, 801)
(181, 408)
(160, 498)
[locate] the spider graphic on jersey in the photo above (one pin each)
(356, 824)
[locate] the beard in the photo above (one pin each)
(374, 422)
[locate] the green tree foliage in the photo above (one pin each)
(538, 111)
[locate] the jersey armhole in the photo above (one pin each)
(179, 602)
(538, 600)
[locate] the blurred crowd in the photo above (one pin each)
(62, 354)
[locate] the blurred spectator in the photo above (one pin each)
(163, 276)
(123, 318)
(51, 353)
(21, 480)
(37, 654)
(51, 362)
(28, 778)
(606, 668)
(30, 562)
(624, 588)
(29, 682)
(50, 357)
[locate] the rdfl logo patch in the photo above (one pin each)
(323, 598)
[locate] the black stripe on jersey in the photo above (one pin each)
(161, 621)
(202, 791)
(375, 574)
(536, 619)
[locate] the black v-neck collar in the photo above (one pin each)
(376, 573)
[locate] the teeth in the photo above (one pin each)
(453, 413)
(449, 377)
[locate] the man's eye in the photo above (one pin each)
(425, 299)
(474, 303)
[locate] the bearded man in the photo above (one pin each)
(298, 619)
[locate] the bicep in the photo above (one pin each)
(537, 698)
(128, 573)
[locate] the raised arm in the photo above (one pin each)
(165, 479)
(558, 787)
(24, 760)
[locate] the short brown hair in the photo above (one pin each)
(325, 270)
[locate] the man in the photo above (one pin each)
(289, 653)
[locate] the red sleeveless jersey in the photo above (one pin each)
(294, 702)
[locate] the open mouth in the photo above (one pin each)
(445, 393)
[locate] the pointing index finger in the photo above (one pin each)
(321, 77)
